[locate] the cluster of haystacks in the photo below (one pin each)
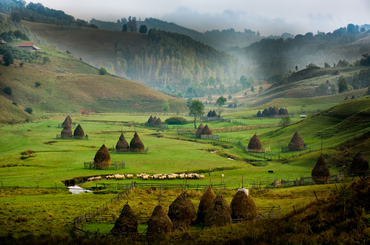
(199, 130)
(273, 112)
(136, 145)
(102, 158)
(296, 143)
(158, 122)
(212, 114)
(79, 132)
(206, 131)
(320, 173)
(159, 222)
(205, 202)
(347, 98)
(122, 145)
(126, 223)
(359, 166)
(153, 121)
(218, 213)
(243, 205)
(66, 132)
(255, 144)
(182, 213)
(67, 121)
(232, 105)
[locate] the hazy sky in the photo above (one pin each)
(266, 16)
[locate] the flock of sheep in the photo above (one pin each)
(145, 176)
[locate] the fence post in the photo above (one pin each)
(55, 185)
(2, 185)
(19, 183)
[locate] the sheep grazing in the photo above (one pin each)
(94, 178)
(202, 176)
(118, 176)
(145, 177)
(140, 175)
(222, 176)
(129, 176)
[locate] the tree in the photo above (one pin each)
(220, 102)
(342, 85)
(28, 110)
(189, 102)
(326, 65)
(196, 110)
(296, 68)
(323, 89)
(285, 121)
(102, 71)
(37, 84)
(8, 58)
(143, 29)
(252, 89)
(131, 25)
(45, 60)
(124, 27)
(210, 98)
(8, 90)
(333, 90)
(165, 106)
(229, 97)
(311, 65)
(260, 90)
(16, 16)
(18, 33)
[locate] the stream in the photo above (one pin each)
(77, 189)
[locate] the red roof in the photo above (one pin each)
(2, 41)
(26, 44)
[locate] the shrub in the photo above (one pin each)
(14, 103)
(28, 110)
(102, 71)
(176, 120)
(37, 84)
(8, 90)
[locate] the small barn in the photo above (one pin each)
(29, 46)
(2, 42)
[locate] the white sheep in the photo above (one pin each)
(145, 176)
(222, 175)
(97, 178)
(201, 176)
(129, 176)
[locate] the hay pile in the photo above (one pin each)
(122, 145)
(359, 166)
(199, 130)
(255, 144)
(154, 119)
(320, 173)
(243, 206)
(182, 213)
(206, 131)
(218, 213)
(214, 114)
(346, 98)
(286, 111)
(66, 132)
(296, 143)
(353, 97)
(159, 222)
(158, 122)
(150, 120)
(67, 121)
(265, 113)
(79, 132)
(209, 114)
(136, 145)
(259, 114)
(102, 158)
(126, 222)
(204, 204)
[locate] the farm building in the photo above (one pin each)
(29, 46)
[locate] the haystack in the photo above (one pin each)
(281, 111)
(159, 222)
(296, 143)
(218, 213)
(286, 111)
(209, 114)
(150, 120)
(353, 97)
(67, 121)
(136, 145)
(255, 144)
(359, 166)
(265, 113)
(243, 206)
(154, 119)
(102, 158)
(79, 132)
(235, 105)
(126, 222)
(182, 213)
(122, 145)
(346, 98)
(66, 132)
(204, 204)
(199, 130)
(158, 122)
(214, 114)
(320, 173)
(206, 131)
(259, 114)
(274, 112)
(231, 105)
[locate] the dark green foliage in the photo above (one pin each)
(93, 26)
(68, 52)
(45, 60)
(342, 85)
(143, 29)
(176, 120)
(196, 110)
(14, 103)
(124, 27)
(16, 16)
(221, 101)
(37, 84)
(28, 110)
(323, 89)
(275, 78)
(365, 61)
(102, 71)
(8, 90)
(8, 58)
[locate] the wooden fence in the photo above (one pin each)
(115, 164)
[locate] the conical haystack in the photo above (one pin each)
(150, 120)
(296, 143)
(136, 145)
(265, 113)
(182, 213)
(346, 98)
(209, 114)
(204, 204)
(199, 130)
(274, 112)
(159, 222)
(102, 158)
(353, 97)
(219, 213)
(255, 144)
(243, 206)
(286, 111)
(79, 132)
(158, 122)
(320, 173)
(206, 131)
(122, 145)
(359, 166)
(281, 111)
(67, 121)
(259, 114)
(126, 223)
(66, 132)
(214, 114)
(154, 119)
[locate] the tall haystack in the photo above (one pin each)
(281, 111)
(159, 222)
(154, 119)
(218, 213)
(346, 98)
(359, 166)
(265, 113)
(320, 173)
(102, 158)
(122, 145)
(243, 205)
(182, 213)
(158, 122)
(136, 145)
(255, 144)
(126, 223)
(67, 121)
(209, 114)
(66, 132)
(150, 120)
(296, 143)
(286, 111)
(259, 114)
(79, 132)
(204, 204)
(214, 114)
(199, 130)
(274, 112)
(353, 97)
(206, 131)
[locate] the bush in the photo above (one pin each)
(37, 84)
(176, 120)
(102, 71)
(14, 103)
(8, 90)
(28, 110)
